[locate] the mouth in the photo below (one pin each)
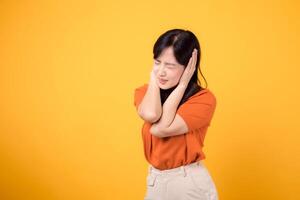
(162, 81)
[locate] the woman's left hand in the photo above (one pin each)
(189, 70)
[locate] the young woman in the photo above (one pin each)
(176, 111)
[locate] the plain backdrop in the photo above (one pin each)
(68, 70)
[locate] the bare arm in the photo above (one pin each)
(150, 108)
(167, 125)
(168, 111)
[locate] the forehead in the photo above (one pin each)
(167, 55)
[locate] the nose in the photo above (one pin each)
(161, 71)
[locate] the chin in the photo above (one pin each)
(165, 86)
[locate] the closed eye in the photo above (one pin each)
(167, 63)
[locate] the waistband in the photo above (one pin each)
(178, 170)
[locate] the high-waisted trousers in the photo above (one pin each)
(187, 182)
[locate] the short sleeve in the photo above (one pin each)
(198, 111)
(139, 94)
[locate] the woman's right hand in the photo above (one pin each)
(153, 78)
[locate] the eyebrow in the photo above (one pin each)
(167, 62)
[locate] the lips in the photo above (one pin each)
(162, 81)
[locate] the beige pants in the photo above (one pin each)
(189, 182)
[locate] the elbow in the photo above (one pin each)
(149, 117)
(159, 135)
(154, 130)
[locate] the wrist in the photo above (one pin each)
(182, 85)
(153, 83)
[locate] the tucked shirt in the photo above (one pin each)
(174, 151)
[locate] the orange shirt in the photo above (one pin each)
(175, 151)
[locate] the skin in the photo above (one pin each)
(170, 123)
(166, 67)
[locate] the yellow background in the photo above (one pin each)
(68, 127)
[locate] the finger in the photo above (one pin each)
(189, 64)
(195, 56)
(191, 67)
(194, 59)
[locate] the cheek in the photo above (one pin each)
(155, 69)
(173, 78)
(177, 75)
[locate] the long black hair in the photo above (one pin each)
(183, 43)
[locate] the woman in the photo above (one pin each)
(176, 111)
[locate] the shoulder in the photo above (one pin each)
(139, 93)
(141, 88)
(203, 96)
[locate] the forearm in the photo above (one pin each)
(169, 109)
(151, 103)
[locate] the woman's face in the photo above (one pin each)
(167, 70)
